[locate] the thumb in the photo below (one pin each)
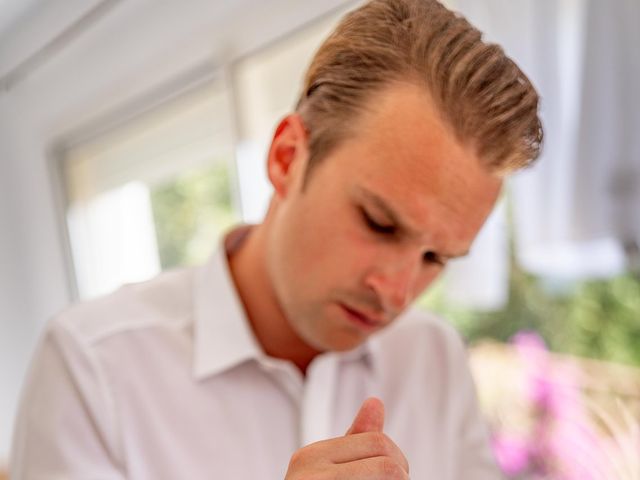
(370, 417)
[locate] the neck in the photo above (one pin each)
(268, 321)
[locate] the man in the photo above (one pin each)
(255, 365)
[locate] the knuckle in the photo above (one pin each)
(317, 475)
(297, 458)
(304, 464)
(380, 443)
(391, 469)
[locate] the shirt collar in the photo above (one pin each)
(223, 337)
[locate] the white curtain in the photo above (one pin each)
(607, 196)
(578, 209)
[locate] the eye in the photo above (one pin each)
(432, 258)
(376, 226)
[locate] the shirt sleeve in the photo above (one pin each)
(65, 428)
(476, 457)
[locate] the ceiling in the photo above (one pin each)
(12, 10)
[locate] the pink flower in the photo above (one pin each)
(512, 453)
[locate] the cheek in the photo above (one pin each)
(311, 255)
(425, 280)
(331, 246)
(360, 255)
(341, 257)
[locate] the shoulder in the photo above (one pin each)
(418, 328)
(419, 339)
(164, 301)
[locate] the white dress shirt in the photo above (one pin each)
(165, 380)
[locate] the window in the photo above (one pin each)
(153, 192)
(267, 85)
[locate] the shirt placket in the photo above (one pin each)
(318, 400)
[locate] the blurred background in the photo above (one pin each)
(132, 134)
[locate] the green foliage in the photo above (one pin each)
(597, 319)
(190, 213)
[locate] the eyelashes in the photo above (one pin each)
(389, 230)
(376, 226)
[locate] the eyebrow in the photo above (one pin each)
(396, 219)
(383, 205)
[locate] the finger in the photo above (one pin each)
(374, 468)
(370, 417)
(358, 446)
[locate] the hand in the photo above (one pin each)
(363, 453)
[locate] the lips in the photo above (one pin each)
(364, 319)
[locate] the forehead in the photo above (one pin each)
(402, 149)
(402, 123)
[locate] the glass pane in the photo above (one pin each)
(112, 238)
(190, 212)
(152, 193)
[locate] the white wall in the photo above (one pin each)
(136, 46)
(16, 329)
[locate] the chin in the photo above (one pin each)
(343, 341)
(330, 333)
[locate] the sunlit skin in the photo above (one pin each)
(341, 257)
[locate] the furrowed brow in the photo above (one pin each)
(396, 219)
(386, 209)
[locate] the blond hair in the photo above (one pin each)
(486, 99)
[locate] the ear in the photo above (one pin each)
(288, 154)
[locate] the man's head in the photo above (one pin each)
(407, 125)
(483, 95)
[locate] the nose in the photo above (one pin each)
(394, 285)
